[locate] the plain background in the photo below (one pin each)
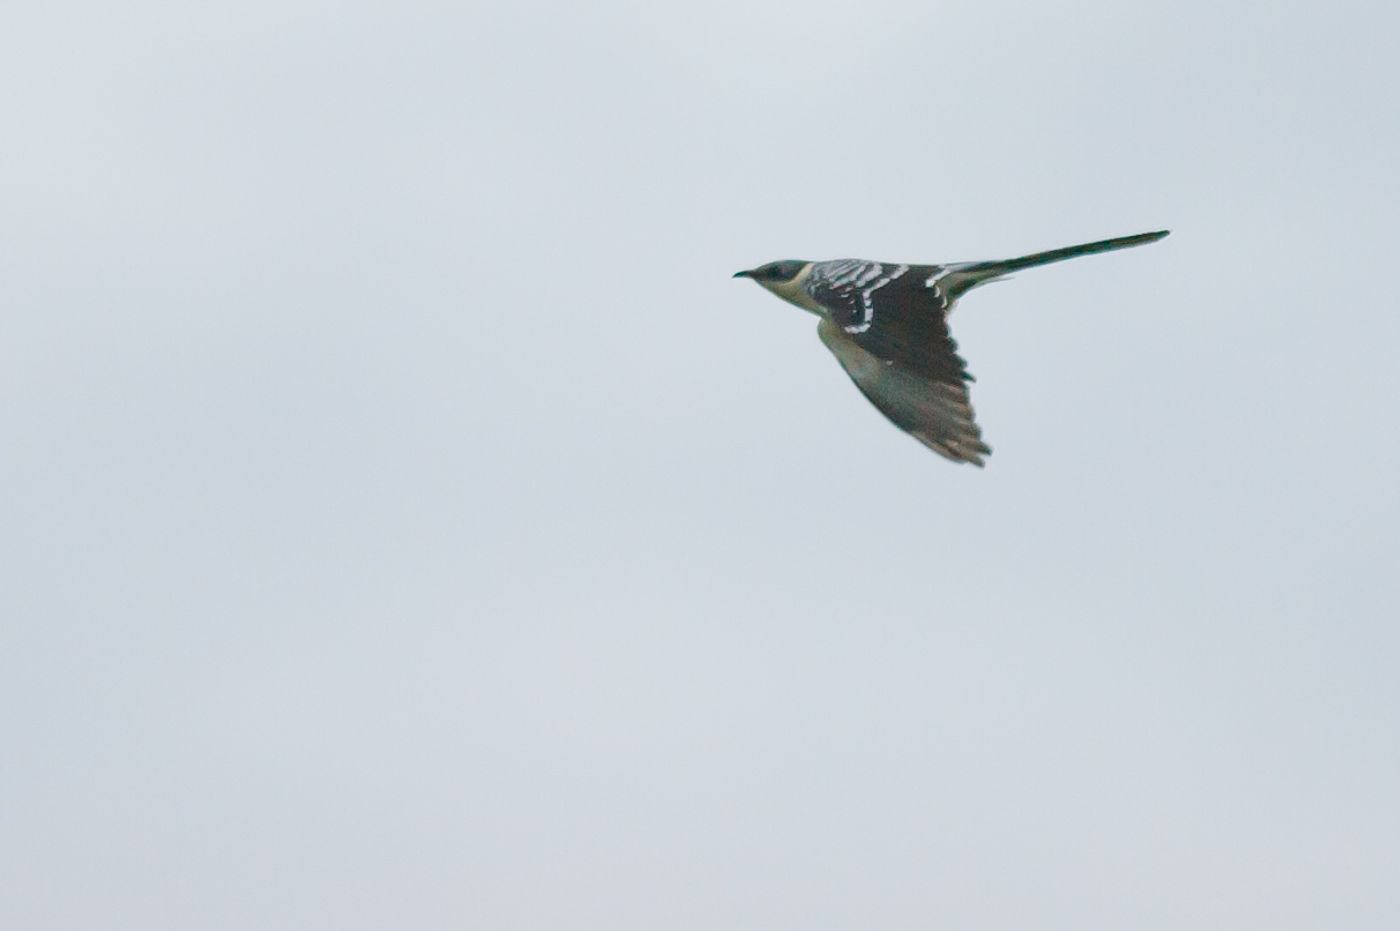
(408, 523)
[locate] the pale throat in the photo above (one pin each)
(793, 292)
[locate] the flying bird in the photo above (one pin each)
(887, 324)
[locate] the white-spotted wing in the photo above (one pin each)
(887, 326)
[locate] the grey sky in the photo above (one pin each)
(407, 522)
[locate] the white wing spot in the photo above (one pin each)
(845, 271)
(932, 283)
(869, 273)
(867, 303)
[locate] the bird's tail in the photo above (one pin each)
(968, 275)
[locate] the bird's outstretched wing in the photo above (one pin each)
(931, 408)
(887, 326)
(898, 313)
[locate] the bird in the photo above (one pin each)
(887, 324)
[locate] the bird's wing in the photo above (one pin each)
(934, 410)
(898, 313)
(887, 326)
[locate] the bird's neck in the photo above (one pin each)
(794, 290)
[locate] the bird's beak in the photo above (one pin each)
(747, 273)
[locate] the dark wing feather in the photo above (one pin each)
(934, 410)
(897, 313)
(887, 326)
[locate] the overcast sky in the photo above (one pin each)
(406, 521)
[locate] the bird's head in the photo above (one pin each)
(784, 279)
(774, 272)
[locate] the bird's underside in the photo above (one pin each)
(887, 324)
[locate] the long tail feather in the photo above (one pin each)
(971, 274)
(1069, 252)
